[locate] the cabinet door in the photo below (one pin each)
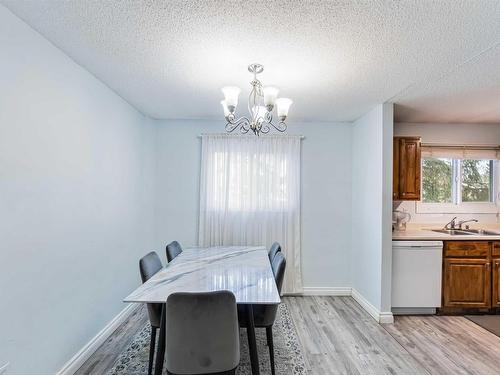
(496, 283)
(395, 170)
(495, 250)
(409, 168)
(467, 283)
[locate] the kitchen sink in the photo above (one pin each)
(453, 232)
(465, 232)
(483, 232)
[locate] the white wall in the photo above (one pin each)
(326, 193)
(76, 209)
(371, 206)
(475, 134)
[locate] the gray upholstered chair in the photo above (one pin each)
(275, 248)
(173, 249)
(149, 265)
(202, 333)
(265, 315)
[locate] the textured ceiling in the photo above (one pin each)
(439, 60)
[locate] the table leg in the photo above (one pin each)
(252, 345)
(160, 352)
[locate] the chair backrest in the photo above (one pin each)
(275, 248)
(173, 249)
(149, 265)
(278, 266)
(202, 333)
(265, 315)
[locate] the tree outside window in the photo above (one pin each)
(437, 179)
(477, 180)
(446, 180)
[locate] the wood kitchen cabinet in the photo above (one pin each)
(469, 274)
(406, 168)
(466, 283)
(495, 264)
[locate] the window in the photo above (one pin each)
(437, 180)
(459, 180)
(251, 182)
(477, 180)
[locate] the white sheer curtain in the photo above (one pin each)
(250, 195)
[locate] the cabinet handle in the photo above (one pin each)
(488, 266)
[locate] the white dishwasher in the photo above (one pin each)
(416, 276)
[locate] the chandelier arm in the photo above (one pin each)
(265, 128)
(248, 103)
(232, 124)
(281, 126)
(245, 127)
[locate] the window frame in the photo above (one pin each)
(457, 206)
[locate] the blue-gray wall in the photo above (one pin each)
(76, 201)
(326, 193)
(371, 206)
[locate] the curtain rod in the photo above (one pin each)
(243, 135)
(470, 147)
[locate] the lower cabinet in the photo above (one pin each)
(467, 283)
(471, 274)
(495, 302)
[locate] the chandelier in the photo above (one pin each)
(261, 103)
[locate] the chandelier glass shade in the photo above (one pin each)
(261, 103)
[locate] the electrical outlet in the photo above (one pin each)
(3, 369)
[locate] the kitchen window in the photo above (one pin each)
(459, 180)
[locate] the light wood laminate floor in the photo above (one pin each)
(339, 337)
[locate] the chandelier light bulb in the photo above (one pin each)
(270, 95)
(283, 105)
(231, 94)
(224, 108)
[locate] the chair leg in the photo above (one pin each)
(269, 335)
(152, 345)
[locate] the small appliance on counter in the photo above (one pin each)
(399, 220)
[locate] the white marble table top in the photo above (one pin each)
(243, 270)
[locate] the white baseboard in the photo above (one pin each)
(413, 310)
(379, 316)
(326, 291)
(84, 353)
(386, 318)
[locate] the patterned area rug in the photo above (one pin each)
(287, 350)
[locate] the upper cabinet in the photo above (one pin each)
(407, 167)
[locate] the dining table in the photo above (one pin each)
(243, 270)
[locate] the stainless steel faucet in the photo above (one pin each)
(451, 224)
(454, 225)
(461, 222)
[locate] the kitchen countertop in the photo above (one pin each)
(424, 232)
